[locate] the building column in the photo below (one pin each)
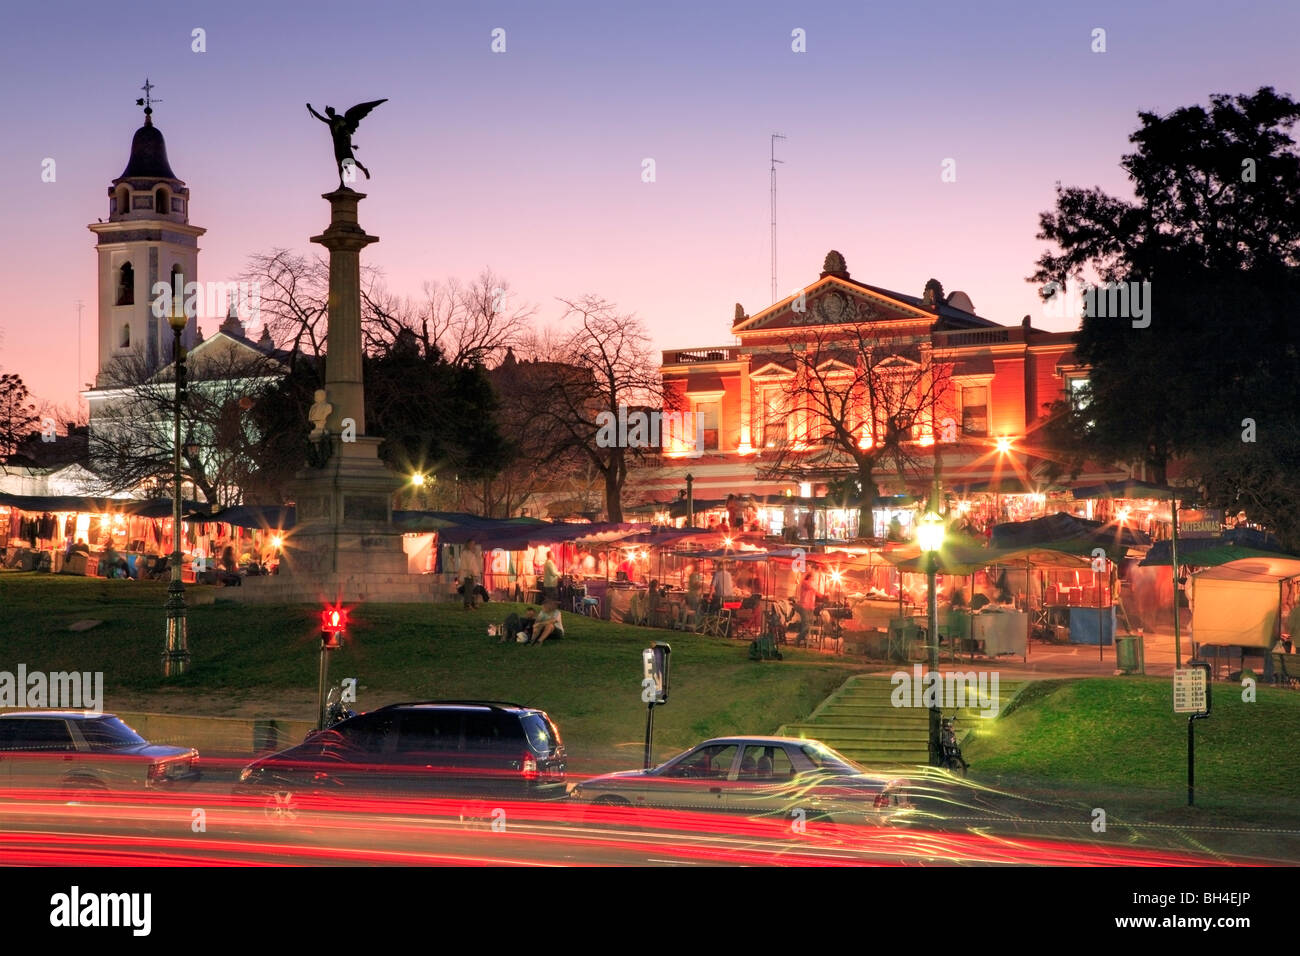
(746, 411)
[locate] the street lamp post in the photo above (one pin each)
(929, 535)
(176, 656)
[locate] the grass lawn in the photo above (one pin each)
(589, 682)
(1119, 739)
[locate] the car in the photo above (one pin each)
(471, 749)
(757, 776)
(84, 751)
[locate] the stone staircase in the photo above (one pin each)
(860, 721)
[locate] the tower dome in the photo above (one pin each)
(148, 154)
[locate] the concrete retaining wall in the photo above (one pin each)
(216, 736)
(225, 736)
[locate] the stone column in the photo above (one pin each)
(344, 239)
(344, 508)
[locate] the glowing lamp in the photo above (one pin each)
(333, 622)
(929, 532)
(417, 479)
(178, 320)
(277, 541)
(1004, 444)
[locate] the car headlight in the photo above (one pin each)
(245, 774)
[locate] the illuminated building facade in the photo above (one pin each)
(984, 389)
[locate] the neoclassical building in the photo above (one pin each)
(984, 389)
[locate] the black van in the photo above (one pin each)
(425, 748)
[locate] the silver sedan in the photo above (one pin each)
(757, 776)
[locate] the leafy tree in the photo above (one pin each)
(17, 412)
(1214, 228)
(434, 416)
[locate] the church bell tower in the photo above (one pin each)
(146, 239)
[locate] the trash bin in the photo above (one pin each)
(1126, 652)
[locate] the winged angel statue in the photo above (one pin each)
(341, 128)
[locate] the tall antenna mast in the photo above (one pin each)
(80, 384)
(775, 137)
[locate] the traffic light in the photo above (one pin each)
(333, 622)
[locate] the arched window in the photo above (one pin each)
(160, 201)
(126, 285)
(123, 201)
(124, 337)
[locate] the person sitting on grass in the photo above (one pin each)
(549, 623)
(229, 573)
(516, 625)
(112, 564)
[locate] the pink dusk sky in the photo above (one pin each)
(530, 161)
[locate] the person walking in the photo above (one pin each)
(694, 588)
(471, 566)
(550, 578)
(789, 531)
(806, 606)
(723, 588)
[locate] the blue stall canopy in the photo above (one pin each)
(1068, 533)
(254, 516)
(1126, 488)
(1233, 545)
(141, 508)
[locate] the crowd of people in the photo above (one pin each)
(228, 570)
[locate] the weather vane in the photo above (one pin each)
(147, 101)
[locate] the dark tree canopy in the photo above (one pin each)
(17, 412)
(1215, 229)
(434, 417)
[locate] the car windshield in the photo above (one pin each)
(824, 758)
(108, 733)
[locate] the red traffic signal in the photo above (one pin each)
(333, 622)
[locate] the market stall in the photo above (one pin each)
(1237, 607)
(71, 534)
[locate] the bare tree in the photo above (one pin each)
(131, 447)
(856, 406)
(294, 299)
(469, 323)
(601, 365)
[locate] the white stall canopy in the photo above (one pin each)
(1240, 602)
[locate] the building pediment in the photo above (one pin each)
(830, 302)
(773, 370)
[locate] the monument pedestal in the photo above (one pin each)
(343, 546)
(344, 514)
